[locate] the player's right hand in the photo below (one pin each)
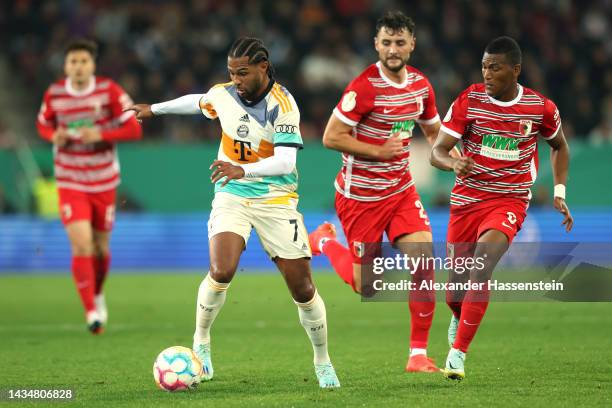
(60, 136)
(143, 111)
(463, 165)
(391, 148)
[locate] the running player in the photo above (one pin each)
(255, 187)
(498, 122)
(372, 126)
(82, 115)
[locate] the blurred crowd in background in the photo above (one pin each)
(158, 50)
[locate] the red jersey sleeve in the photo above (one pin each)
(356, 102)
(455, 122)
(551, 122)
(430, 111)
(127, 127)
(45, 122)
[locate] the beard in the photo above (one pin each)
(394, 68)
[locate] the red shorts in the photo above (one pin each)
(364, 222)
(97, 208)
(468, 223)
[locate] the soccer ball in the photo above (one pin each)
(177, 368)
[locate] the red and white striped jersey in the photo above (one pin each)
(501, 137)
(376, 107)
(92, 167)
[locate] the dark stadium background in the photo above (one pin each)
(162, 49)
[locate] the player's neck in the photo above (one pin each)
(80, 85)
(261, 93)
(510, 94)
(396, 76)
(264, 88)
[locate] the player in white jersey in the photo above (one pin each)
(255, 187)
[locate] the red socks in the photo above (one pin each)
(83, 274)
(472, 311)
(422, 304)
(455, 306)
(101, 266)
(341, 259)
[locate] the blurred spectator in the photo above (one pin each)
(164, 48)
(44, 191)
(5, 206)
(7, 137)
(602, 133)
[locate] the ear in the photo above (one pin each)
(517, 70)
(263, 65)
(413, 44)
(376, 42)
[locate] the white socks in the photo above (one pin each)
(313, 319)
(211, 297)
(417, 351)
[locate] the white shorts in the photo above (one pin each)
(277, 222)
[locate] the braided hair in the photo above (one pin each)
(254, 49)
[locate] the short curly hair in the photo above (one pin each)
(395, 21)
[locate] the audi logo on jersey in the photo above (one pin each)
(285, 129)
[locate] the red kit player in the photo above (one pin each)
(82, 115)
(498, 122)
(372, 126)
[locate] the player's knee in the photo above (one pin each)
(101, 248)
(222, 273)
(82, 248)
(304, 293)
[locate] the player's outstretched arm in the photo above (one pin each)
(338, 136)
(559, 160)
(185, 105)
(440, 156)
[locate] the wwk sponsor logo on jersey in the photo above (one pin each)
(500, 147)
(404, 128)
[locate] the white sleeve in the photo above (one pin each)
(185, 105)
(282, 163)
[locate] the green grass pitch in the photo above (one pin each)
(526, 354)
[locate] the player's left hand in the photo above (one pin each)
(225, 169)
(90, 135)
(562, 207)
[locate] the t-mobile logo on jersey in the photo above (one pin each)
(244, 150)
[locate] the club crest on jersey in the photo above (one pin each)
(525, 127)
(419, 104)
(358, 249)
(242, 131)
(349, 101)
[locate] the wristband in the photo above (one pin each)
(560, 191)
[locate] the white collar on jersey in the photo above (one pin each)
(390, 82)
(519, 95)
(73, 92)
